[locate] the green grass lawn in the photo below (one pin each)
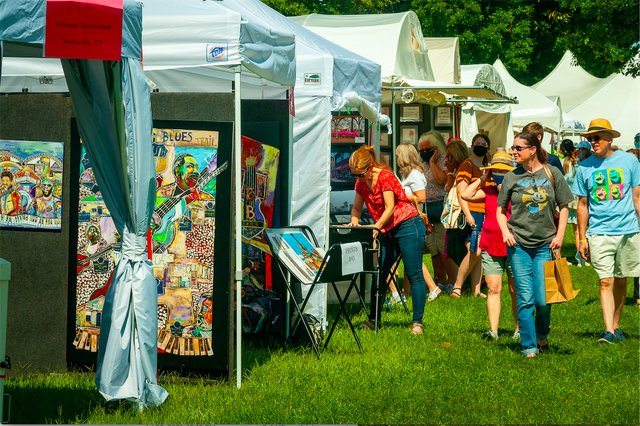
(447, 375)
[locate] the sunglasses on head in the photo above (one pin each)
(519, 147)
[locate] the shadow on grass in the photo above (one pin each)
(631, 301)
(55, 405)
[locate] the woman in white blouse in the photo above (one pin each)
(413, 181)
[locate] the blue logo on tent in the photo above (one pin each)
(216, 52)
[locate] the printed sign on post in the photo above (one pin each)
(84, 29)
(351, 258)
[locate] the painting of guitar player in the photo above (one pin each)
(183, 225)
(30, 184)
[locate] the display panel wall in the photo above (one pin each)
(37, 308)
(188, 162)
(39, 333)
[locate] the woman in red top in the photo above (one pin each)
(402, 229)
(494, 250)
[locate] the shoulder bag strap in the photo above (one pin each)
(550, 176)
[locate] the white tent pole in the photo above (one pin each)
(396, 128)
(237, 156)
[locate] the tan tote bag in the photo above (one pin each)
(557, 280)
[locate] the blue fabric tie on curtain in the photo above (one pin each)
(111, 101)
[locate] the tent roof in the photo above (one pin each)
(532, 105)
(194, 33)
(617, 101)
(444, 56)
(570, 82)
(347, 71)
(437, 93)
(393, 40)
(22, 28)
(184, 46)
(482, 74)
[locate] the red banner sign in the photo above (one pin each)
(84, 29)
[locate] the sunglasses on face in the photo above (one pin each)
(595, 138)
(519, 147)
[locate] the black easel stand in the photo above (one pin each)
(330, 272)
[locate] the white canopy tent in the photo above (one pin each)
(328, 77)
(570, 82)
(617, 101)
(206, 37)
(393, 40)
(491, 118)
(444, 56)
(532, 105)
(181, 42)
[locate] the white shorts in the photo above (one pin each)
(616, 256)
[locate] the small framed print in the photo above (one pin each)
(384, 139)
(411, 113)
(409, 134)
(443, 116)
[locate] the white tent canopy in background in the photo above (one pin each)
(444, 56)
(570, 82)
(393, 40)
(618, 102)
(531, 106)
(490, 118)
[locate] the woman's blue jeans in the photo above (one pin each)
(528, 273)
(407, 239)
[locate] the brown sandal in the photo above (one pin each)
(456, 293)
(417, 328)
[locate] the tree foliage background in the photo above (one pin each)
(529, 36)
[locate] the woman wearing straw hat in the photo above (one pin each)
(494, 250)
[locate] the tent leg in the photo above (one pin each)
(237, 155)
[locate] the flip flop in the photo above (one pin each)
(433, 295)
(456, 293)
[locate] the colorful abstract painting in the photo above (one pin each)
(259, 173)
(261, 307)
(183, 228)
(31, 187)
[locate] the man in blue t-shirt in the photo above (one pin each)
(608, 187)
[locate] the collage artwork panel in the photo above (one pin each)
(31, 187)
(183, 225)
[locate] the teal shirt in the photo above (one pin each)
(608, 185)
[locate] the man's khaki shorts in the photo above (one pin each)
(615, 256)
